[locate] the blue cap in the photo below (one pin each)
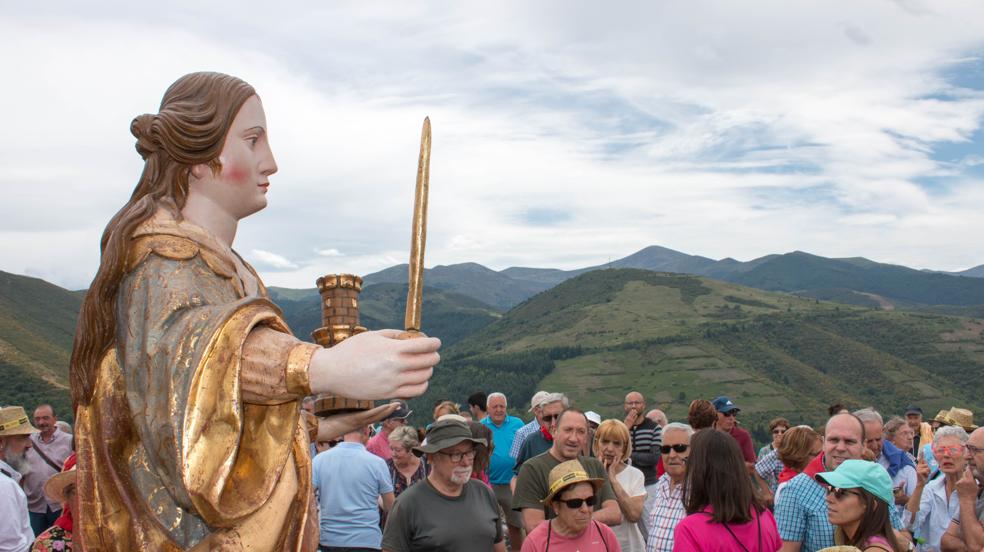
(724, 405)
(861, 474)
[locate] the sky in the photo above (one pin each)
(565, 133)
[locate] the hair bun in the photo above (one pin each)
(142, 128)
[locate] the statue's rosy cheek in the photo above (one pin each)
(236, 172)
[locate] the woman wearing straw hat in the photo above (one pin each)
(60, 488)
(572, 494)
(859, 499)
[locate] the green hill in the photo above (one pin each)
(448, 315)
(37, 324)
(678, 337)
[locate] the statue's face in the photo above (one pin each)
(247, 163)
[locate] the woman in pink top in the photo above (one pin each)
(571, 493)
(723, 514)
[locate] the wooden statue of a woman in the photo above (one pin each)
(185, 377)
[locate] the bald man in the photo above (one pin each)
(647, 437)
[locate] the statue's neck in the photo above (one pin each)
(201, 211)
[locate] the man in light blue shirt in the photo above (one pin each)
(504, 428)
(348, 481)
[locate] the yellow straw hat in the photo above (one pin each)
(566, 474)
(14, 421)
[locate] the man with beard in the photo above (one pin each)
(49, 449)
(532, 484)
(801, 509)
(449, 510)
(966, 532)
(15, 525)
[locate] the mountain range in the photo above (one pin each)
(790, 331)
(857, 280)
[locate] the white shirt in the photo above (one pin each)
(935, 513)
(628, 534)
(16, 534)
(905, 478)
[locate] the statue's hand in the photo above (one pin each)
(375, 365)
(336, 425)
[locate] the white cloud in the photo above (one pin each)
(712, 128)
(267, 259)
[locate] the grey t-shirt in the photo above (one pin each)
(422, 519)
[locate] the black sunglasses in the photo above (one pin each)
(575, 503)
(550, 417)
(839, 493)
(665, 449)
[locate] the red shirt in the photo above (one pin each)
(744, 443)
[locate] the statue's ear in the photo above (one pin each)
(200, 171)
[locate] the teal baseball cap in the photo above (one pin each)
(861, 474)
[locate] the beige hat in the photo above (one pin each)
(961, 417)
(14, 421)
(942, 418)
(566, 474)
(56, 484)
(537, 399)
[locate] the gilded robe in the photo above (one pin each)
(192, 439)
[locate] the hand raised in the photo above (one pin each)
(375, 365)
(922, 472)
(967, 486)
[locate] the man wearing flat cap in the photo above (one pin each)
(449, 510)
(16, 534)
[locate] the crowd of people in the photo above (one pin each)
(478, 478)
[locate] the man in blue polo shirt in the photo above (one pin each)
(504, 428)
(348, 480)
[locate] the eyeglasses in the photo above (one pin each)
(952, 450)
(972, 449)
(665, 449)
(457, 456)
(575, 503)
(550, 417)
(839, 494)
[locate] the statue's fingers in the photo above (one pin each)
(409, 391)
(421, 345)
(420, 361)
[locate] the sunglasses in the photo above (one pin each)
(665, 449)
(550, 417)
(839, 494)
(731, 414)
(952, 450)
(575, 503)
(778, 431)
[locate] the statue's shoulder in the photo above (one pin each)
(175, 247)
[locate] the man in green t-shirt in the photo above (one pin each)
(532, 484)
(448, 511)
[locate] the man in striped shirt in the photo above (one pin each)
(667, 509)
(646, 439)
(522, 433)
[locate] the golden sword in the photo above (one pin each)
(418, 237)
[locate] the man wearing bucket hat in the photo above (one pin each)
(449, 510)
(859, 504)
(572, 494)
(16, 534)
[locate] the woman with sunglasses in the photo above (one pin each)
(723, 513)
(859, 498)
(613, 446)
(571, 494)
(934, 503)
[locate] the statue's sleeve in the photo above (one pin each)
(182, 335)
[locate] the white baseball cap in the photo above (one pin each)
(538, 399)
